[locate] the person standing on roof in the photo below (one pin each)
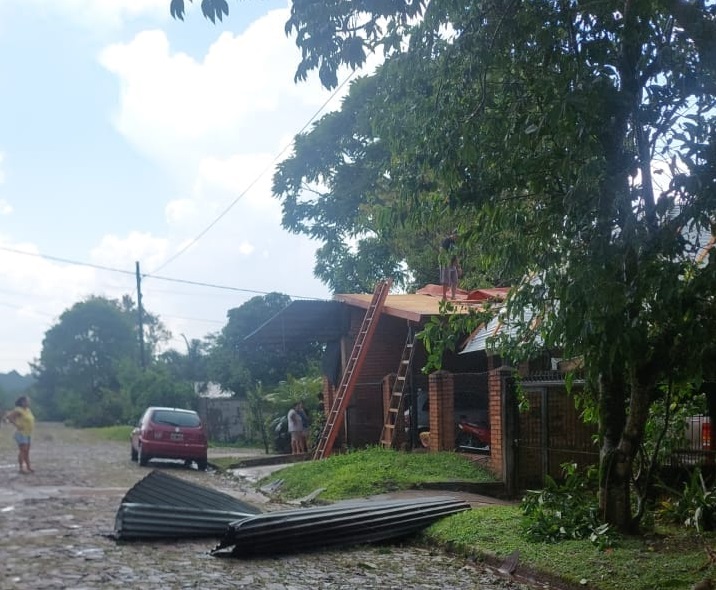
(449, 264)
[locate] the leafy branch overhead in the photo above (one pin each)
(212, 9)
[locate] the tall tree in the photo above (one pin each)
(239, 367)
(77, 372)
(549, 118)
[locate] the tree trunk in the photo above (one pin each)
(622, 433)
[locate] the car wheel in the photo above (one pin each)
(201, 464)
(141, 457)
(133, 454)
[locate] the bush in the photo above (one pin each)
(566, 510)
(695, 507)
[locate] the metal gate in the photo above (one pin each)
(547, 433)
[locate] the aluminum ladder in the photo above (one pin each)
(336, 416)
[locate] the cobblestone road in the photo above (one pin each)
(55, 526)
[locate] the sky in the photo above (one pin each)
(128, 137)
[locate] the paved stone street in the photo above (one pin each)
(55, 527)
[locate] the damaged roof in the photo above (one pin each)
(326, 321)
(425, 303)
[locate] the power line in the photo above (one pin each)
(254, 181)
(157, 277)
(67, 261)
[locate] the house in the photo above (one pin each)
(472, 386)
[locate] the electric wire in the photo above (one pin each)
(253, 182)
(157, 277)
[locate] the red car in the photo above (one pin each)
(170, 433)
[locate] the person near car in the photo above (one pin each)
(295, 429)
(22, 418)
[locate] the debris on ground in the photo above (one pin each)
(340, 524)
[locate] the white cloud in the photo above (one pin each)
(122, 253)
(246, 248)
(173, 105)
(247, 176)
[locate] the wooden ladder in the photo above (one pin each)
(335, 418)
(397, 397)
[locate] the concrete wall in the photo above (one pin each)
(226, 419)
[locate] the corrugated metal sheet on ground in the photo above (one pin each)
(346, 523)
(162, 506)
(149, 521)
(159, 488)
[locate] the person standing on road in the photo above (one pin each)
(23, 420)
(295, 429)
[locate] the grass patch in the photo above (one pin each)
(668, 559)
(115, 433)
(374, 471)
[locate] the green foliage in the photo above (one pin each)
(238, 367)
(442, 333)
(108, 407)
(154, 386)
(372, 471)
(695, 506)
(286, 394)
(566, 510)
(541, 125)
(80, 358)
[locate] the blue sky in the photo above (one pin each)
(124, 135)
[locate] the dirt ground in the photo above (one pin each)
(55, 527)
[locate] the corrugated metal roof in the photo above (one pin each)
(485, 337)
(425, 303)
(302, 321)
(162, 506)
(150, 521)
(161, 489)
(345, 523)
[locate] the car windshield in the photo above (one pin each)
(173, 418)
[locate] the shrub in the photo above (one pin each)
(695, 507)
(566, 510)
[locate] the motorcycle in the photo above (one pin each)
(472, 438)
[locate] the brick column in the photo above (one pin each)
(494, 402)
(441, 393)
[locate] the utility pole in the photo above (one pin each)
(141, 317)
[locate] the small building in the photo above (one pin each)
(473, 386)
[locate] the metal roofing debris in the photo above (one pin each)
(345, 523)
(161, 506)
(150, 521)
(164, 506)
(159, 488)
